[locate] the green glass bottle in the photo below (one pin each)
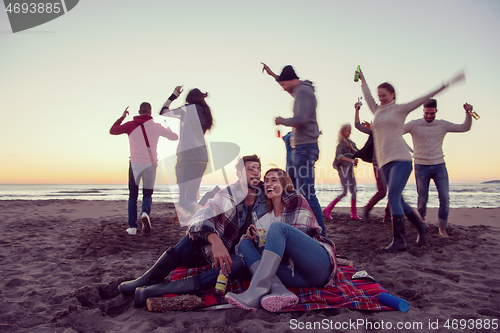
(356, 76)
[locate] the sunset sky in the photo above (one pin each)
(64, 83)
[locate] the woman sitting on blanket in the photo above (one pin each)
(295, 254)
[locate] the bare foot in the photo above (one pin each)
(442, 233)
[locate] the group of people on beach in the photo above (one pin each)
(427, 133)
(274, 229)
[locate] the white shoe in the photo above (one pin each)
(146, 222)
(131, 231)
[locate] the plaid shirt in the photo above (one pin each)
(299, 215)
(225, 214)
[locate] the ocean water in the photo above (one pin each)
(461, 195)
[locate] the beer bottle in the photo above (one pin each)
(220, 286)
(474, 114)
(356, 76)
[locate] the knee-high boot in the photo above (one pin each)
(189, 285)
(260, 285)
(279, 296)
(328, 209)
(354, 210)
(398, 230)
(163, 266)
(421, 226)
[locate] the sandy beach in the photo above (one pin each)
(62, 260)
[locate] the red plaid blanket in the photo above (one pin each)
(361, 294)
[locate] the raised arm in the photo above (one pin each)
(466, 125)
(165, 109)
(117, 127)
(357, 106)
(366, 92)
(268, 70)
(408, 107)
(457, 78)
(357, 123)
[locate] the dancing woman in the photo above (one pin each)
(393, 155)
(192, 155)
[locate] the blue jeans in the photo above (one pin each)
(396, 174)
(148, 176)
(303, 159)
(312, 264)
(423, 176)
(190, 253)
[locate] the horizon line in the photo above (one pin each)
(222, 183)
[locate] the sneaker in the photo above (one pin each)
(146, 222)
(131, 231)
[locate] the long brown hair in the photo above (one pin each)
(195, 96)
(286, 184)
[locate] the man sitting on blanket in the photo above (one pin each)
(211, 239)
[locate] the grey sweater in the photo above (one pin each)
(304, 123)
